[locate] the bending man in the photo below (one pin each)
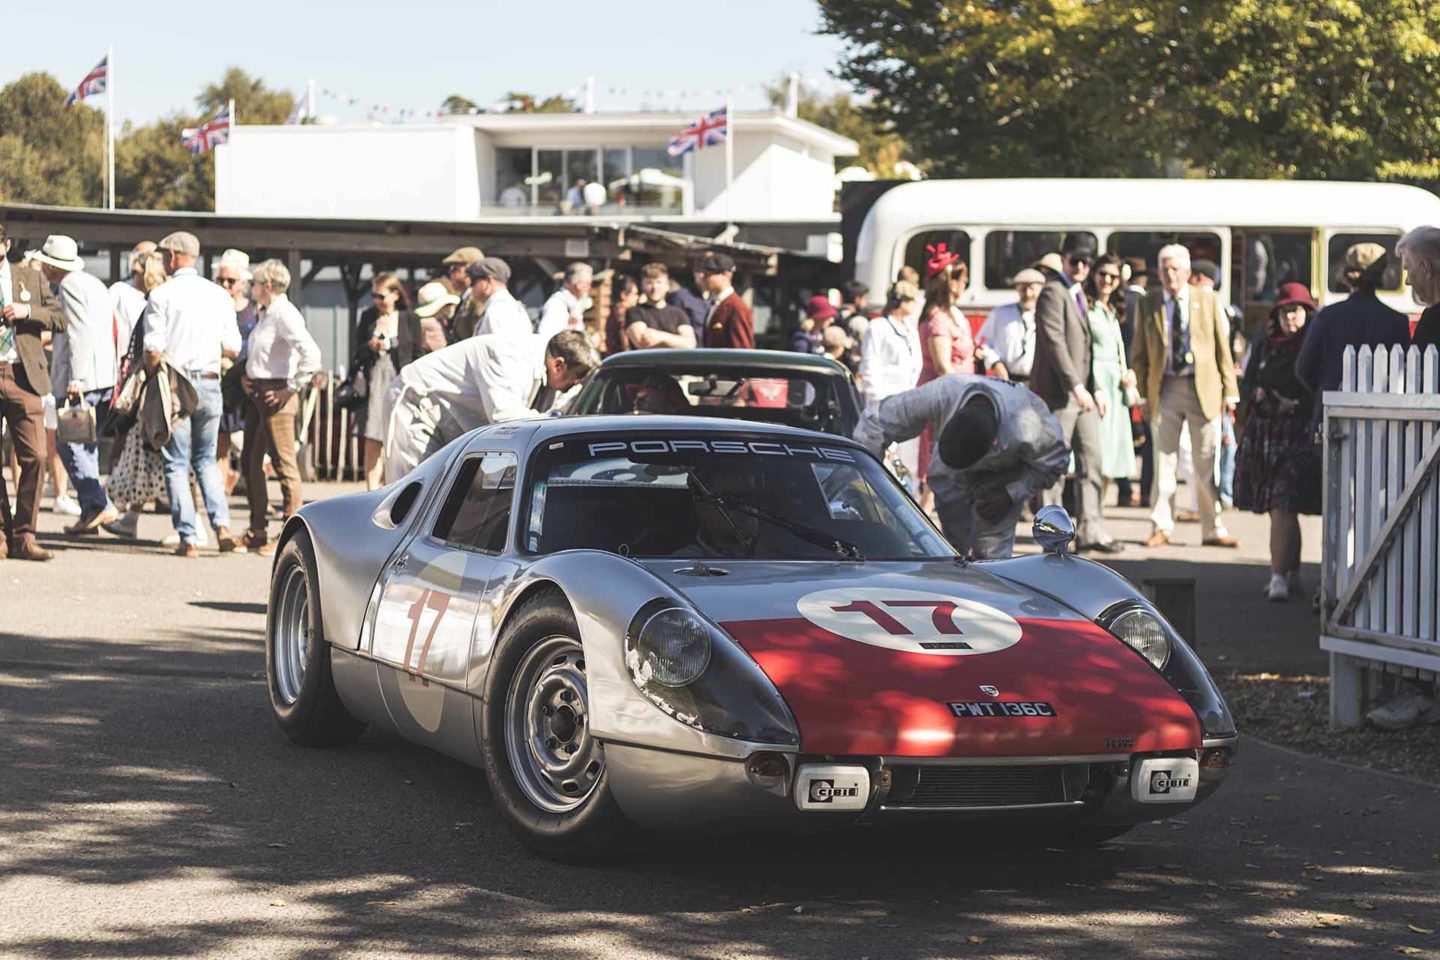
(996, 445)
(478, 381)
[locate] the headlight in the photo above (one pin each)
(1145, 634)
(673, 648)
(691, 670)
(1143, 630)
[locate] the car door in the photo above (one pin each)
(432, 598)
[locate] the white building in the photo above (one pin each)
(491, 166)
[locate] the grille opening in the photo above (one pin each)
(986, 786)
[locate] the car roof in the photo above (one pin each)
(722, 360)
(552, 427)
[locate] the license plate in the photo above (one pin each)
(1002, 708)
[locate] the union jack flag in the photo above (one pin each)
(709, 131)
(209, 135)
(94, 82)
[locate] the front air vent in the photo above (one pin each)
(958, 787)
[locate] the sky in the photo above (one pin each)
(411, 55)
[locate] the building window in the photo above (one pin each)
(655, 178)
(512, 171)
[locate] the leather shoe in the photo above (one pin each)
(1158, 539)
(1230, 542)
(1109, 546)
(187, 550)
(92, 524)
(256, 541)
(27, 549)
(224, 540)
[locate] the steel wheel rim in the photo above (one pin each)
(291, 643)
(547, 730)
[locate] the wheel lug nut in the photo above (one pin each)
(566, 695)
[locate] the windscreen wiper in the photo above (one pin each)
(720, 503)
(843, 548)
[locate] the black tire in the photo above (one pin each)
(594, 830)
(315, 717)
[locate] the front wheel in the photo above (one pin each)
(546, 771)
(297, 658)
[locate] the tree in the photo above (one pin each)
(526, 103)
(1301, 88)
(880, 147)
(49, 153)
(155, 171)
(254, 102)
(456, 104)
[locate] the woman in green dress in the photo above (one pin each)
(1113, 379)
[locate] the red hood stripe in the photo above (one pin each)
(855, 698)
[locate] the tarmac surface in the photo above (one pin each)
(150, 807)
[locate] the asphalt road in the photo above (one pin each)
(150, 807)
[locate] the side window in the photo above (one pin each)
(1273, 258)
(1007, 252)
(1145, 245)
(476, 514)
(1340, 242)
(957, 241)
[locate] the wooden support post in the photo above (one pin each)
(297, 282)
(1347, 694)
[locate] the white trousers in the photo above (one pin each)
(1180, 407)
(409, 430)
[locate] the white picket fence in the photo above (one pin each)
(1380, 576)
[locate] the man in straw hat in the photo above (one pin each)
(27, 308)
(1357, 321)
(83, 369)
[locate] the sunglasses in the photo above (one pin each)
(228, 281)
(1107, 275)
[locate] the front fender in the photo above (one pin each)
(605, 591)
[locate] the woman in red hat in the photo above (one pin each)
(1277, 470)
(947, 344)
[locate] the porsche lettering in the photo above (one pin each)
(761, 448)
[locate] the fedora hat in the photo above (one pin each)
(60, 252)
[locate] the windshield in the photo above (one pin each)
(721, 496)
(813, 400)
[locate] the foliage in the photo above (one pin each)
(154, 170)
(254, 102)
(1257, 88)
(880, 147)
(49, 153)
(516, 102)
(455, 103)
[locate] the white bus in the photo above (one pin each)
(1261, 233)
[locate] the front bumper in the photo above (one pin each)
(662, 789)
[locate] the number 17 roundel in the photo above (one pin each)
(911, 621)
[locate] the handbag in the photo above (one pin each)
(351, 395)
(138, 474)
(75, 423)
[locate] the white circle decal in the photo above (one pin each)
(911, 621)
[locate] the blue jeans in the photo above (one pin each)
(192, 446)
(82, 460)
(1227, 460)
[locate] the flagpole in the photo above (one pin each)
(729, 156)
(229, 160)
(110, 122)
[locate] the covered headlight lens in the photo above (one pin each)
(673, 648)
(692, 670)
(1145, 634)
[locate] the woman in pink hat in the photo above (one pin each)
(947, 344)
(1277, 470)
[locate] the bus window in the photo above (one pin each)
(1146, 245)
(1007, 252)
(956, 241)
(1273, 258)
(1340, 242)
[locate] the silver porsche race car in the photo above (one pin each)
(672, 622)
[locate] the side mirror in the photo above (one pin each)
(1053, 529)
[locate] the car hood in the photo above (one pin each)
(935, 659)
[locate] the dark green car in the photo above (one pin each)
(767, 386)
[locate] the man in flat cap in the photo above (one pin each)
(27, 309)
(1360, 320)
(467, 314)
(501, 315)
(996, 446)
(729, 322)
(191, 323)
